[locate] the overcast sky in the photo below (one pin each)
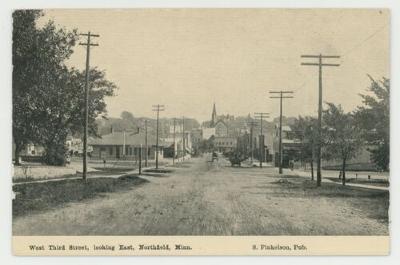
(187, 59)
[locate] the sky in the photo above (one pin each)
(187, 59)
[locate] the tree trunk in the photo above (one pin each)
(18, 148)
(344, 172)
(312, 169)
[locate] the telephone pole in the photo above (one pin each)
(252, 124)
(183, 138)
(281, 97)
(320, 64)
(157, 108)
(88, 44)
(145, 143)
(173, 155)
(261, 116)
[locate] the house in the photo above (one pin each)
(75, 146)
(125, 145)
(291, 146)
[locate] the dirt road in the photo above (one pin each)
(204, 198)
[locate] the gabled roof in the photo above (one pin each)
(117, 138)
(221, 121)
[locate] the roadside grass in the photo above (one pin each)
(111, 170)
(354, 167)
(36, 197)
(372, 182)
(159, 170)
(374, 203)
(32, 179)
(99, 171)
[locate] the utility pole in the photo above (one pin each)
(88, 44)
(173, 155)
(157, 108)
(261, 116)
(252, 124)
(145, 143)
(140, 160)
(123, 145)
(281, 97)
(320, 64)
(183, 138)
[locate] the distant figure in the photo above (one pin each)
(214, 156)
(104, 163)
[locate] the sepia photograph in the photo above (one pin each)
(200, 122)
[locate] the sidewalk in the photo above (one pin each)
(79, 176)
(306, 174)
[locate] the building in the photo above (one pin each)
(196, 136)
(179, 145)
(217, 126)
(221, 129)
(75, 146)
(207, 133)
(125, 145)
(290, 146)
(30, 153)
(225, 144)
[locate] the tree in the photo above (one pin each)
(374, 119)
(343, 136)
(207, 145)
(48, 97)
(62, 110)
(305, 130)
(126, 115)
(24, 36)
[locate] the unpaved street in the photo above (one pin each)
(204, 198)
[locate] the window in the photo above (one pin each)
(111, 150)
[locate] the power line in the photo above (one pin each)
(88, 44)
(281, 97)
(364, 40)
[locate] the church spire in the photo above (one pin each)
(214, 116)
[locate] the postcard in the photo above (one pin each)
(200, 131)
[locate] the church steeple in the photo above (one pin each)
(214, 116)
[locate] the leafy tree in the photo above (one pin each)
(48, 97)
(343, 136)
(24, 36)
(66, 115)
(305, 130)
(374, 120)
(206, 145)
(126, 115)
